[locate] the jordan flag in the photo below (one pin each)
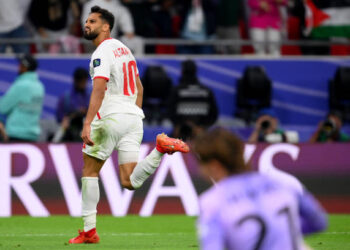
(327, 18)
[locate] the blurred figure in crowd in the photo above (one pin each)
(265, 25)
(198, 24)
(245, 209)
(267, 128)
(12, 18)
(123, 23)
(59, 20)
(167, 24)
(123, 20)
(192, 106)
(23, 102)
(229, 14)
(162, 17)
(329, 130)
(72, 107)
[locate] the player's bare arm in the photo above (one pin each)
(139, 92)
(97, 95)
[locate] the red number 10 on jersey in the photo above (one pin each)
(129, 81)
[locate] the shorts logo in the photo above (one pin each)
(96, 62)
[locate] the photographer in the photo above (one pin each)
(266, 128)
(192, 106)
(72, 108)
(329, 130)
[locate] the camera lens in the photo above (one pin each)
(186, 131)
(265, 125)
(329, 125)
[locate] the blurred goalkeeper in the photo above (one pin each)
(245, 210)
(114, 120)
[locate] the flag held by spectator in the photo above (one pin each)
(326, 19)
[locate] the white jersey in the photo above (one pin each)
(113, 61)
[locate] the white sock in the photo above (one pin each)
(90, 197)
(145, 168)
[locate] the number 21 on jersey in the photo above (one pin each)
(129, 72)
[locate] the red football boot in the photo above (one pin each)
(90, 236)
(168, 145)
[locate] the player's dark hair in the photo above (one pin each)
(221, 145)
(104, 15)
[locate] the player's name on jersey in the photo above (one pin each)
(254, 193)
(121, 52)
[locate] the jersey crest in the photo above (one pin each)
(96, 62)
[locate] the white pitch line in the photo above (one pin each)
(126, 234)
(103, 234)
(336, 233)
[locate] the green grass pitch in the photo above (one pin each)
(133, 232)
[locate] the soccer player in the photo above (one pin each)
(246, 210)
(114, 120)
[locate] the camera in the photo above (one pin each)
(186, 131)
(329, 127)
(265, 124)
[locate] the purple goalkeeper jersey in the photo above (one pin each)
(254, 212)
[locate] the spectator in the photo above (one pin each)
(123, 19)
(198, 24)
(192, 106)
(23, 102)
(72, 107)
(229, 14)
(123, 24)
(266, 128)
(265, 24)
(57, 19)
(306, 26)
(329, 130)
(162, 18)
(12, 18)
(144, 26)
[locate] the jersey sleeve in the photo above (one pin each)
(102, 63)
(313, 217)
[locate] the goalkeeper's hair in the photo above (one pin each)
(104, 15)
(225, 147)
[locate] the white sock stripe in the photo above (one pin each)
(89, 178)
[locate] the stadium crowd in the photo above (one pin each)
(265, 22)
(190, 107)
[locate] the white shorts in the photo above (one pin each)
(122, 132)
